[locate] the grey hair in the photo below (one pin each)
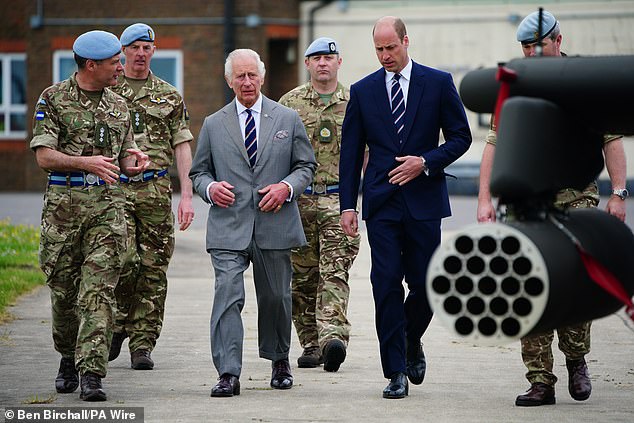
(555, 32)
(243, 52)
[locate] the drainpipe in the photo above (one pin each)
(229, 41)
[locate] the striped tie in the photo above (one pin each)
(250, 141)
(398, 105)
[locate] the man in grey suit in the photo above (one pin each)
(252, 161)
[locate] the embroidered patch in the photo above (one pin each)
(40, 115)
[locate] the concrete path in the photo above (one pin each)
(464, 383)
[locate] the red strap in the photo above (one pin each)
(606, 280)
(505, 76)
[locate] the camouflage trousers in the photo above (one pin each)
(142, 287)
(83, 235)
(574, 341)
(320, 273)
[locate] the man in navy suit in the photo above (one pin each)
(398, 112)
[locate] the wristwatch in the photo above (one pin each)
(622, 193)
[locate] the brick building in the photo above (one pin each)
(36, 38)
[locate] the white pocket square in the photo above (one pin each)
(281, 134)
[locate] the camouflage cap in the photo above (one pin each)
(96, 45)
(137, 32)
(322, 45)
(528, 31)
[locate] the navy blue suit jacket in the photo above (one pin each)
(432, 104)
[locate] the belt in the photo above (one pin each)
(143, 177)
(74, 179)
(317, 189)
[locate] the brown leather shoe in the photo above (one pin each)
(141, 360)
(579, 384)
(281, 377)
(227, 386)
(538, 394)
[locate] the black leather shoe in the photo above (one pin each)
(281, 377)
(227, 386)
(67, 379)
(579, 384)
(141, 360)
(115, 345)
(334, 355)
(416, 363)
(538, 394)
(397, 388)
(91, 389)
(310, 358)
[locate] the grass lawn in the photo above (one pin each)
(19, 270)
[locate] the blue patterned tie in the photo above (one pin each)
(250, 139)
(398, 105)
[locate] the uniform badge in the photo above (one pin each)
(102, 136)
(332, 47)
(41, 101)
(325, 133)
(138, 122)
(40, 115)
(115, 114)
(158, 100)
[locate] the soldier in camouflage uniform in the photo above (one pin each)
(320, 269)
(82, 138)
(574, 341)
(161, 130)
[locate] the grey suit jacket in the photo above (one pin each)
(284, 153)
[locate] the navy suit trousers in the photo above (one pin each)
(401, 248)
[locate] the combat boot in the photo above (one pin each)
(310, 358)
(67, 379)
(115, 345)
(141, 360)
(579, 385)
(91, 388)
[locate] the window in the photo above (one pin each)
(166, 64)
(12, 95)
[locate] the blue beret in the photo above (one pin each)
(322, 45)
(97, 45)
(527, 31)
(137, 32)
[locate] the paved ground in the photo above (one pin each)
(464, 383)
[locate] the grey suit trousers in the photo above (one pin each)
(272, 274)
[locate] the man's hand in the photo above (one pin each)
(103, 167)
(135, 163)
(221, 194)
(616, 207)
(486, 211)
(349, 222)
(185, 213)
(275, 196)
(410, 168)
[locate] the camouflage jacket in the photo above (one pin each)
(158, 117)
(323, 126)
(567, 197)
(66, 120)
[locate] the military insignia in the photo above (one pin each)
(40, 115)
(102, 136)
(115, 114)
(185, 114)
(332, 47)
(281, 134)
(138, 122)
(150, 34)
(41, 101)
(158, 100)
(325, 133)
